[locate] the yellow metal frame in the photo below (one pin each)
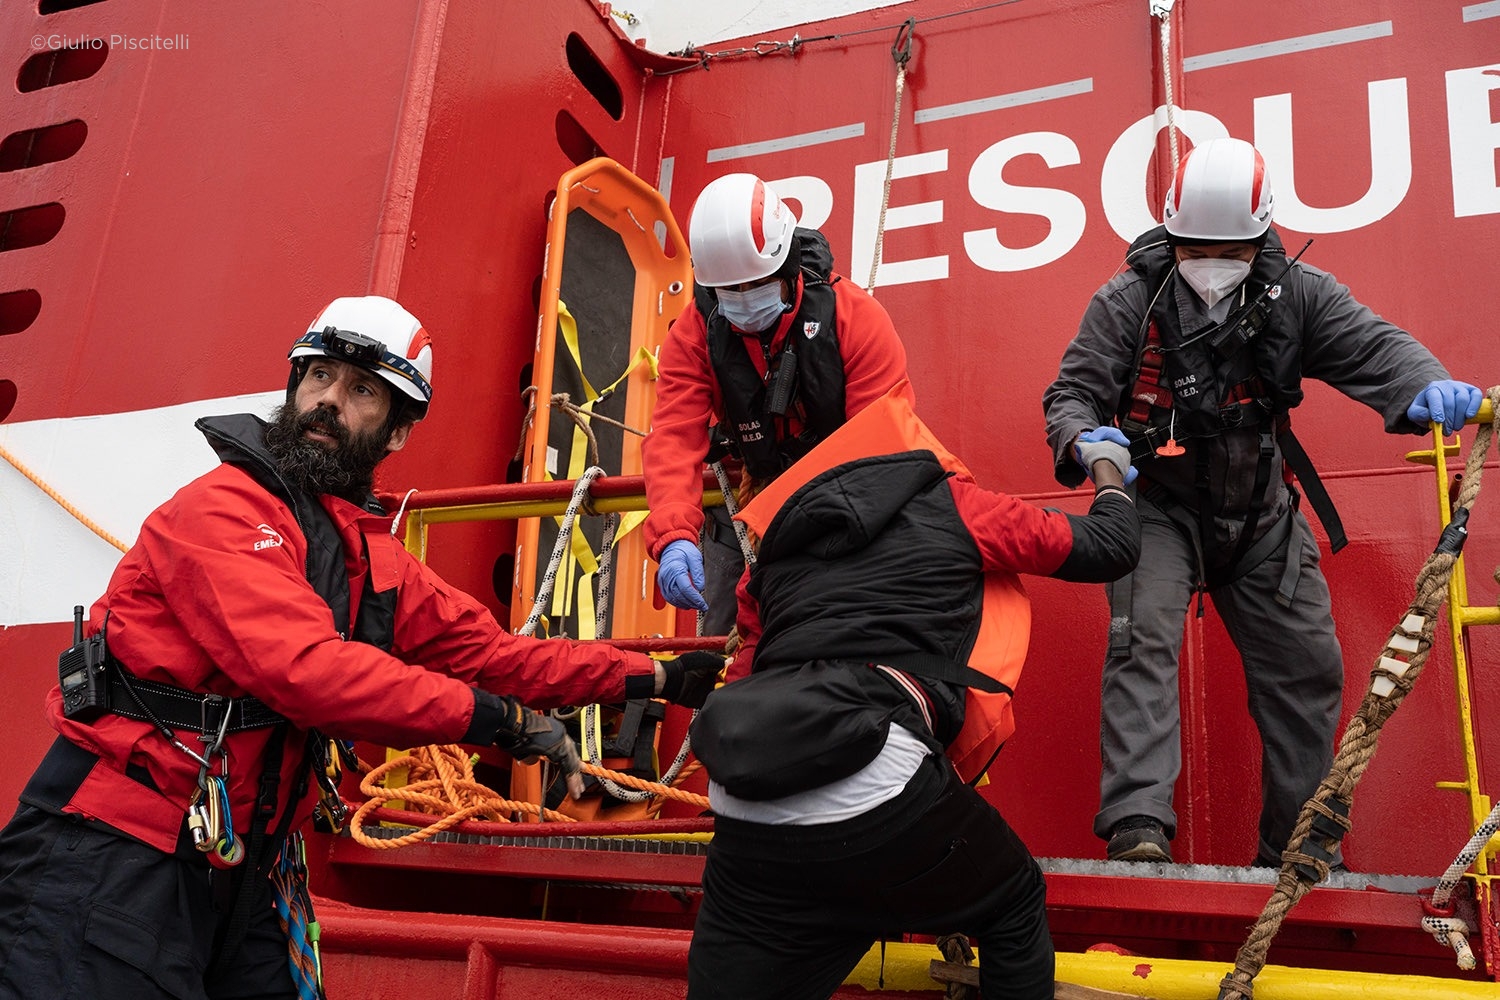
(418, 520)
(904, 966)
(1461, 615)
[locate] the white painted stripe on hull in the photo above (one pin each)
(1285, 46)
(817, 138)
(1020, 97)
(115, 469)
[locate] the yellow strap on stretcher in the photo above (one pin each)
(580, 555)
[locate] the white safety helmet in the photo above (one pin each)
(739, 231)
(373, 332)
(1221, 194)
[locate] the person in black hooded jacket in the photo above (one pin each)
(838, 818)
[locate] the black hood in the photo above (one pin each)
(843, 509)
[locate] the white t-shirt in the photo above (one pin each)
(878, 781)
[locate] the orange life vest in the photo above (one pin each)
(890, 426)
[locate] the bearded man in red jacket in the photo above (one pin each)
(264, 605)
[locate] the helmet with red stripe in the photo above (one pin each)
(373, 332)
(739, 231)
(1221, 194)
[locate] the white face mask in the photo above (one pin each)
(753, 310)
(1213, 277)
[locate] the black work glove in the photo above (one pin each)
(690, 677)
(528, 736)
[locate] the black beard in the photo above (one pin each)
(345, 470)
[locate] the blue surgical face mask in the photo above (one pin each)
(753, 310)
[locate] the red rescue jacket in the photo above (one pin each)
(213, 597)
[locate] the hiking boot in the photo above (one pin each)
(1138, 838)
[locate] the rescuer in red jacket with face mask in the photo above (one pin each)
(774, 353)
(265, 605)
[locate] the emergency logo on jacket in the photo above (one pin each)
(272, 540)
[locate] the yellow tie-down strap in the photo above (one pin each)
(580, 564)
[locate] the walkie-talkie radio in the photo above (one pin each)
(81, 672)
(783, 384)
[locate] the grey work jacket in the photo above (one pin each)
(1345, 345)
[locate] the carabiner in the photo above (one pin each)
(200, 823)
(901, 51)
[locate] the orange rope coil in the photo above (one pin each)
(440, 781)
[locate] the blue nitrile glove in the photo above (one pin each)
(1108, 444)
(680, 575)
(1442, 401)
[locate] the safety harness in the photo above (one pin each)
(1245, 375)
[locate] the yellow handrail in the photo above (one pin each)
(1461, 615)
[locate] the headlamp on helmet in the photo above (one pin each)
(378, 334)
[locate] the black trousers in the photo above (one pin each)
(788, 911)
(88, 913)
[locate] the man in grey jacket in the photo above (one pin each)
(1193, 356)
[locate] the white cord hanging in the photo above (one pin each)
(901, 52)
(1162, 10)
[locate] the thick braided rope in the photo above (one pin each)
(1358, 745)
(62, 502)
(591, 754)
(732, 506)
(1165, 16)
(1466, 857)
(645, 791)
(653, 788)
(890, 162)
(690, 768)
(1446, 927)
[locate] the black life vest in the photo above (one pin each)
(1241, 375)
(760, 438)
(865, 612)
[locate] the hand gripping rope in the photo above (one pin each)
(440, 779)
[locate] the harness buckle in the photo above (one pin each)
(213, 717)
(265, 798)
